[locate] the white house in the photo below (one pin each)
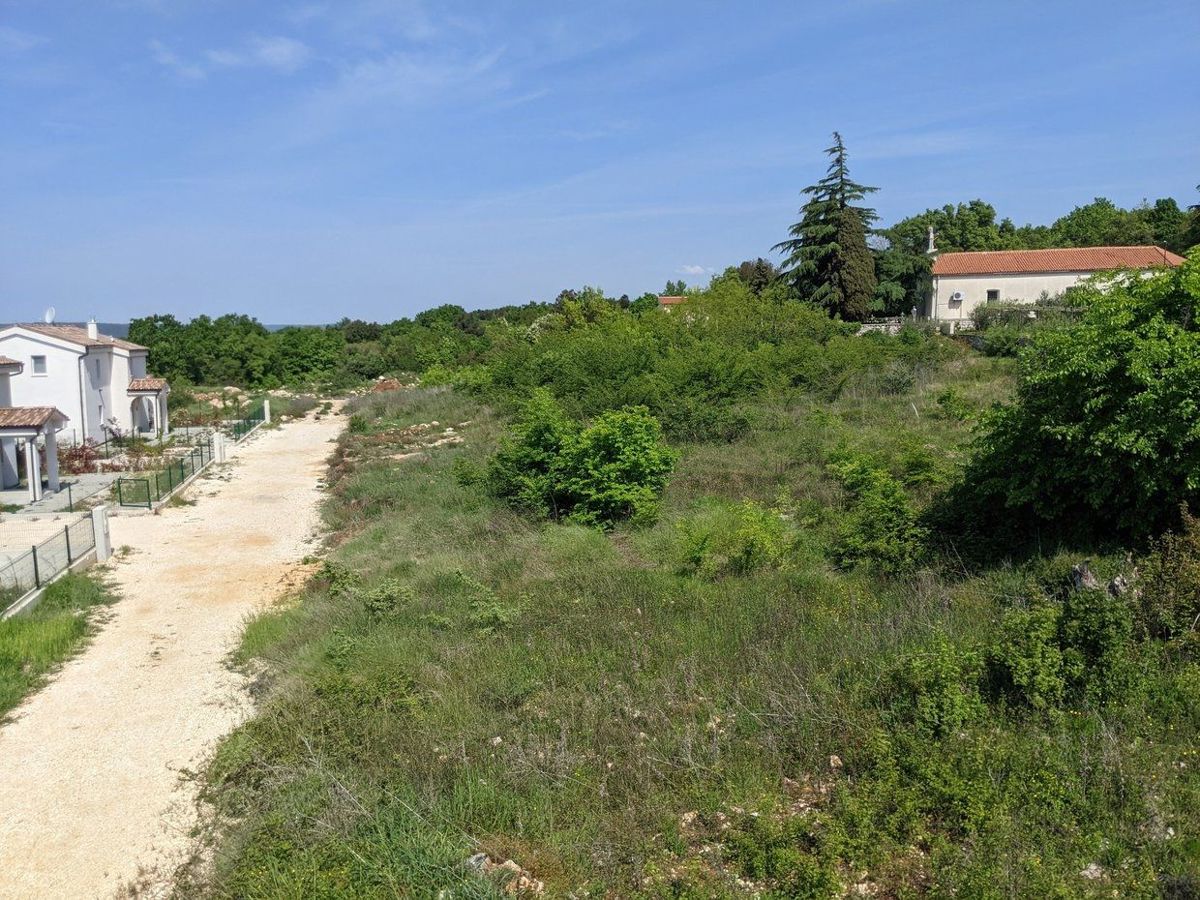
(97, 380)
(21, 427)
(964, 281)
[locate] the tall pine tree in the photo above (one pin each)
(827, 259)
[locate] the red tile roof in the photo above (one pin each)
(670, 301)
(27, 416)
(76, 335)
(1067, 259)
(146, 385)
(5, 362)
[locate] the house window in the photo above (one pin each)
(993, 296)
(39, 365)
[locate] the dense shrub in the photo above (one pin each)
(616, 468)
(526, 469)
(1097, 637)
(1103, 432)
(881, 527)
(1170, 589)
(939, 687)
(1027, 659)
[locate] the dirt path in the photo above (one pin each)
(91, 796)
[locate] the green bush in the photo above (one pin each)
(526, 469)
(881, 527)
(939, 687)
(1170, 589)
(953, 405)
(1102, 436)
(734, 540)
(387, 599)
(1027, 658)
(614, 469)
(1097, 637)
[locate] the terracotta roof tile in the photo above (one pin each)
(27, 416)
(1067, 259)
(5, 361)
(670, 301)
(77, 335)
(146, 384)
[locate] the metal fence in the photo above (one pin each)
(40, 563)
(148, 489)
(239, 428)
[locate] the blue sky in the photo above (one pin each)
(305, 160)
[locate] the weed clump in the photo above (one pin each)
(734, 540)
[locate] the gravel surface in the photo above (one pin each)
(94, 787)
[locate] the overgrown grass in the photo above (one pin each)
(33, 645)
(622, 720)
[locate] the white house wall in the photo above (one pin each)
(120, 399)
(1013, 288)
(59, 387)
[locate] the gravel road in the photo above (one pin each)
(94, 793)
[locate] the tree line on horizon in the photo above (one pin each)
(833, 258)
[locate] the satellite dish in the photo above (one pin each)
(48, 315)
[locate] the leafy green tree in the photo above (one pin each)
(826, 258)
(675, 288)
(644, 304)
(1166, 222)
(1191, 227)
(757, 274)
(1104, 435)
(1101, 223)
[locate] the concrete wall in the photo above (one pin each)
(1017, 288)
(5, 391)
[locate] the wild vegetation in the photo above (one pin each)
(34, 644)
(814, 636)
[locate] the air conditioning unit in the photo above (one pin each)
(956, 297)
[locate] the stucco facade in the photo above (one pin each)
(977, 290)
(964, 281)
(87, 377)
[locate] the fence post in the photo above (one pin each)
(67, 538)
(100, 538)
(70, 499)
(37, 578)
(120, 499)
(100, 533)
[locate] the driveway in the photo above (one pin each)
(93, 789)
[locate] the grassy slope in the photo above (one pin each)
(32, 646)
(569, 699)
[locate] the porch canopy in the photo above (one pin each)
(26, 424)
(149, 405)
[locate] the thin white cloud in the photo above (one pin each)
(14, 41)
(282, 54)
(278, 54)
(412, 77)
(169, 59)
(693, 270)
